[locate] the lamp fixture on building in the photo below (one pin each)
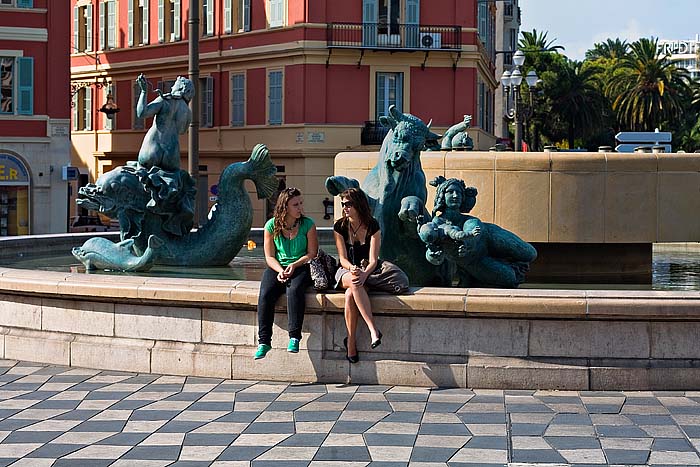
(110, 107)
(76, 86)
(521, 108)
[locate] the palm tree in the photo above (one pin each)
(576, 99)
(611, 49)
(537, 42)
(649, 91)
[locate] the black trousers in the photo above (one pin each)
(270, 291)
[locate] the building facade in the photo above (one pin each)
(34, 116)
(685, 54)
(308, 78)
(507, 33)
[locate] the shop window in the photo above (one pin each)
(238, 99)
(169, 19)
(389, 91)
(274, 97)
(82, 28)
(17, 85)
(137, 18)
(14, 196)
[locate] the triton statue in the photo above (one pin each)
(153, 198)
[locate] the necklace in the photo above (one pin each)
(355, 230)
(296, 223)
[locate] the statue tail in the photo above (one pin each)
(260, 169)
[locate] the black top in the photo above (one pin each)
(357, 251)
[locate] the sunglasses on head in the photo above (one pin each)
(347, 204)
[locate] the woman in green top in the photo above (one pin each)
(290, 243)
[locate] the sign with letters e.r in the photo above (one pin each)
(12, 170)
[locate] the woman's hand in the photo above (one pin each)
(289, 270)
(359, 277)
(282, 277)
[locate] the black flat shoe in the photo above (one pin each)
(378, 342)
(352, 359)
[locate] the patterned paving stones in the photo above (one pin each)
(56, 416)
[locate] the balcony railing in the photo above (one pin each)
(373, 133)
(393, 36)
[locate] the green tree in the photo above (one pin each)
(537, 41)
(610, 49)
(649, 90)
(577, 100)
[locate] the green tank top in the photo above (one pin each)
(287, 251)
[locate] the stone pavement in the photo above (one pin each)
(52, 415)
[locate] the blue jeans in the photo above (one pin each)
(270, 291)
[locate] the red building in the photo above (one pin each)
(34, 115)
(306, 77)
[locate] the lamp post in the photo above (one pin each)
(521, 109)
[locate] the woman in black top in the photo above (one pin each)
(357, 238)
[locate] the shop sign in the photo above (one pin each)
(678, 47)
(12, 170)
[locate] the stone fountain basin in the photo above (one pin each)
(479, 338)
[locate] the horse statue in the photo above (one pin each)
(396, 192)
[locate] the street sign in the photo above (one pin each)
(629, 147)
(645, 137)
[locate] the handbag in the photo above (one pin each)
(322, 269)
(388, 277)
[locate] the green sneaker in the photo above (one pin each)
(293, 346)
(263, 349)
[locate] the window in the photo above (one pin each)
(137, 16)
(236, 16)
(169, 14)
(17, 85)
(274, 97)
(82, 109)
(238, 99)
(207, 17)
(485, 107)
(108, 36)
(389, 92)
(206, 89)
(17, 3)
(276, 13)
(82, 28)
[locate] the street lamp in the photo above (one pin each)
(521, 109)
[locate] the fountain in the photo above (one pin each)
(577, 208)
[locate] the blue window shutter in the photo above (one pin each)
(25, 68)
(369, 22)
(246, 15)
(238, 100)
(25, 3)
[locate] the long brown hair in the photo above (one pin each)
(281, 209)
(359, 201)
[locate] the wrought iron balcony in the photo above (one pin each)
(373, 133)
(393, 36)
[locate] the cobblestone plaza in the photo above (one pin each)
(53, 415)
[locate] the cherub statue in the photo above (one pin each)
(482, 253)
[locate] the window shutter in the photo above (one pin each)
(110, 123)
(76, 112)
(138, 123)
(177, 25)
(369, 22)
(25, 3)
(207, 104)
(145, 23)
(210, 17)
(76, 30)
(380, 107)
(161, 20)
(238, 100)
(130, 22)
(88, 28)
(227, 17)
(111, 25)
(483, 22)
(276, 13)
(246, 15)
(412, 23)
(103, 29)
(88, 108)
(25, 88)
(275, 98)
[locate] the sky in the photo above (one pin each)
(578, 24)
